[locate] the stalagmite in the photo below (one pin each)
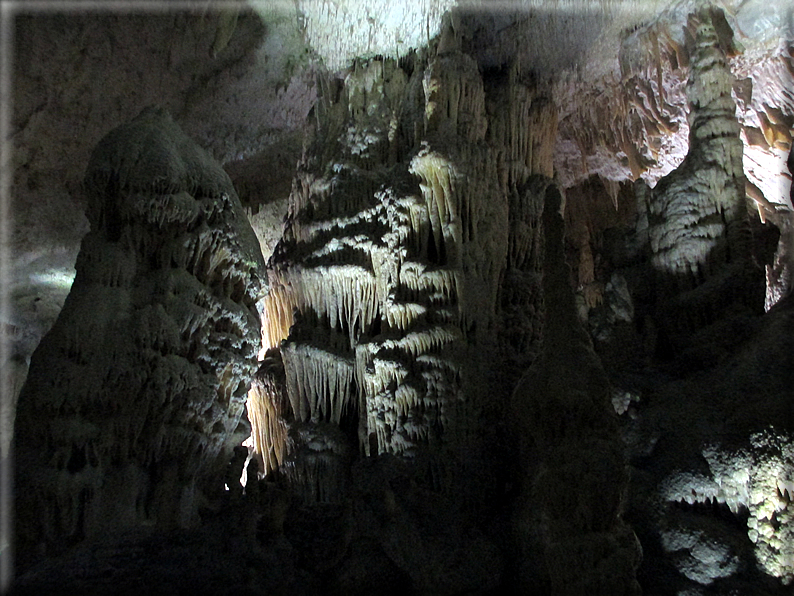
(698, 210)
(567, 434)
(131, 408)
(698, 223)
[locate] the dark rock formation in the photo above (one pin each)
(561, 407)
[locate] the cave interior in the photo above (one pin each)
(428, 297)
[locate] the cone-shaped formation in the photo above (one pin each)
(134, 397)
(567, 435)
(697, 211)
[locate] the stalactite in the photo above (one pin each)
(268, 412)
(277, 314)
(319, 383)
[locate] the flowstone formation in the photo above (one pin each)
(390, 347)
(755, 482)
(567, 435)
(410, 292)
(414, 199)
(132, 405)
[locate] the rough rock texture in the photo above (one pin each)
(710, 500)
(696, 212)
(701, 377)
(76, 73)
(412, 202)
(416, 195)
(779, 280)
(135, 395)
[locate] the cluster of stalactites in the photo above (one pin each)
(276, 317)
(454, 99)
(334, 365)
(268, 412)
(522, 130)
(320, 383)
(392, 253)
(442, 206)
(631, 123)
